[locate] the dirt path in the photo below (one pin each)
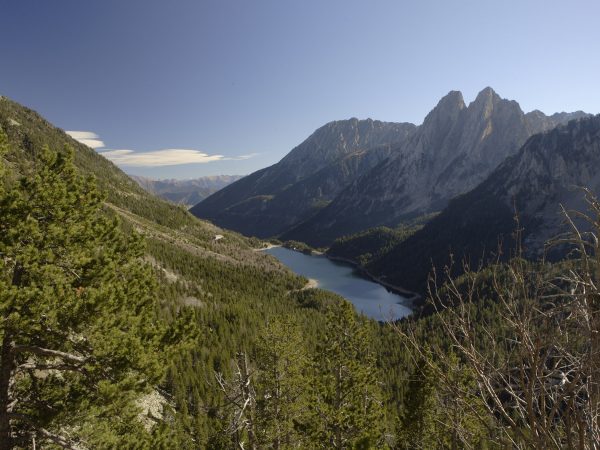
(268, 247)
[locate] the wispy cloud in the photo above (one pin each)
(166, 157)
(158, 158)
(87, 137)
(241, 157)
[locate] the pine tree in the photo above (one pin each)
(442, 408)
(77, 327)
(346, 404)
(282, 362)
(420, 427)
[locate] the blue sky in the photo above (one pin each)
(232, 86)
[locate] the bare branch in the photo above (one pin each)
(40, 351)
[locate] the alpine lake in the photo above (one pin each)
(368, 297)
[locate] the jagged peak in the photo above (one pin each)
(486, 96)
(452, 98)
(356, 122)
(448, 107)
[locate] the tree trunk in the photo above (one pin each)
(338, 407)
(247, 395)
(6, 367)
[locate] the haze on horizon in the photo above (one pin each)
(228, 87)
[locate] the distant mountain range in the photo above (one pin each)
(355, 174)
(186, 192)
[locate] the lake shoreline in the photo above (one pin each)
(413, 296)
(268, 247)
(410, 296)
(368, 295)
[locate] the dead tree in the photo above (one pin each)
(240, 398)
(537, 367)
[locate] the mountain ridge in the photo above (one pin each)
(187, 192)
(339, 151)
(454, 149)
(479, 225)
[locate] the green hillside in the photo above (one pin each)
(216, 296)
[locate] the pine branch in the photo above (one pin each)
(40, 351)
(36, 366)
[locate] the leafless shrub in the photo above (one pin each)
(536, 362)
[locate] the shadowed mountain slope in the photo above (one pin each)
(272, 200)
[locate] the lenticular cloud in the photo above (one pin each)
(158, 158)
(167, 157)
(87, 138)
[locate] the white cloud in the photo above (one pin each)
(87, 138)
(248, 156)
(158, 158)
(93, 143)
(166, 157)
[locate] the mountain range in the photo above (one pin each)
(185, 192)
(533, 185)
(352, 175)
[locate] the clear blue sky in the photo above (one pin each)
(249, 80)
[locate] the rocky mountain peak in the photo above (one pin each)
(449, 105)
(486, 95)
(341, 138)
(485, 103)
(273, 199)
(445, 114)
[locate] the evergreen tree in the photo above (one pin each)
(443, 408)
(77, 327)
(347, 407)
(282, 362)
(420, 427)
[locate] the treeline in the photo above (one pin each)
(367, 247)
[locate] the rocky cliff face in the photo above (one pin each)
(543, 175)
(272, 200)
(355, 174)
(455, 148)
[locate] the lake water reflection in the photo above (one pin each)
(370, 298)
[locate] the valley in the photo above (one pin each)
(399, 218)
(316, 225)
(214, 303)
